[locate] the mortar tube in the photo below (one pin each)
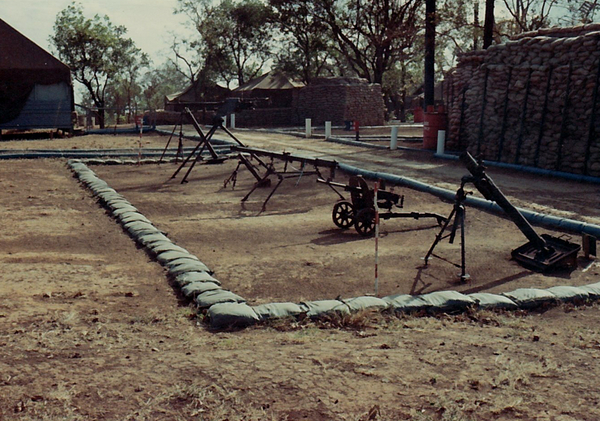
(535, 218)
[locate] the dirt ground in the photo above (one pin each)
(91, 329)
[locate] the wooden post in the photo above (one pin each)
(523, 115)
(543, 120)
(463, 106)
(483, 104)
(429, 76)
(592, 127)
(504, 117)
(565, 115)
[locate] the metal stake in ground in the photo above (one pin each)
(376, 240)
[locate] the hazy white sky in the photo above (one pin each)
(149, 22)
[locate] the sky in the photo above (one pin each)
(149, 23)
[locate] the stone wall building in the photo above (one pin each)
(531, 101)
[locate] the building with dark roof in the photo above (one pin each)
(36, 91)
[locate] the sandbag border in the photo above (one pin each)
(226, 309)
(189, 274)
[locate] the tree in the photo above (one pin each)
(125, 88)
(529, 15)
(96, 51)
(234, 37)
(306, 49)
(372, 35)
(160, 82)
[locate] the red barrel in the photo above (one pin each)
(418, 115)
(433, 121)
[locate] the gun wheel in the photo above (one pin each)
(343, 215)
(365, 222)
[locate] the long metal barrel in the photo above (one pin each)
(490, 191)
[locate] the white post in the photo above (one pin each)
(441, 141)
(232, 121)
(308, 127)
(328, 130)
(394, 139)
(225, 120)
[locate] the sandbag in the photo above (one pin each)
(593, 290)
(147, 239)
(322, 307)
(530, 297)
(188, 277)
(97, 184)
(190, 258)
(192, 289)
(162, 247)
(569, 293)
(365, 303)
(127, 217)
(228, 315)
(122, 208)
(107, 197)
(115, 201)
(168, 255)
(99, 192)
(486, 300)
(279, 310)
(406, 303)
(112, 161)
(210, 298)
(447, 300)
(189, 266)
(137, 227)
(94, 161)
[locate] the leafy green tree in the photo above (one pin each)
(531, 15)
(160, 82)
(372, 35)
(126, 89)
(96, 51)
(235, 37)
(305, 51)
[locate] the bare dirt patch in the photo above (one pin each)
(91, 329)
(294, 252)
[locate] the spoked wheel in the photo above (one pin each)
(365, 222)
(343, 215)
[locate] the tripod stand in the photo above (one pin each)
(179, 145)
(204, 143)
(458, 215)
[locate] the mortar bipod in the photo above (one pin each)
(541, 253)
(458, 215)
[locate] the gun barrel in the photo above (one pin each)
(490, 191)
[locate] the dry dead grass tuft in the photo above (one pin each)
(200, 402)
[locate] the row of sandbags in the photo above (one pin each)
(192, 276)
(227, 309)
(240, 314)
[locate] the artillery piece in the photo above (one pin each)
(360, 211)
(542, 253)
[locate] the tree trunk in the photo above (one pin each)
(429, 77)
(475, 25)
(488, 26)
(101, 117)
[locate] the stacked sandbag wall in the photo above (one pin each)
(339, 100)
(532, 101)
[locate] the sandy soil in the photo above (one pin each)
(91, 329)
